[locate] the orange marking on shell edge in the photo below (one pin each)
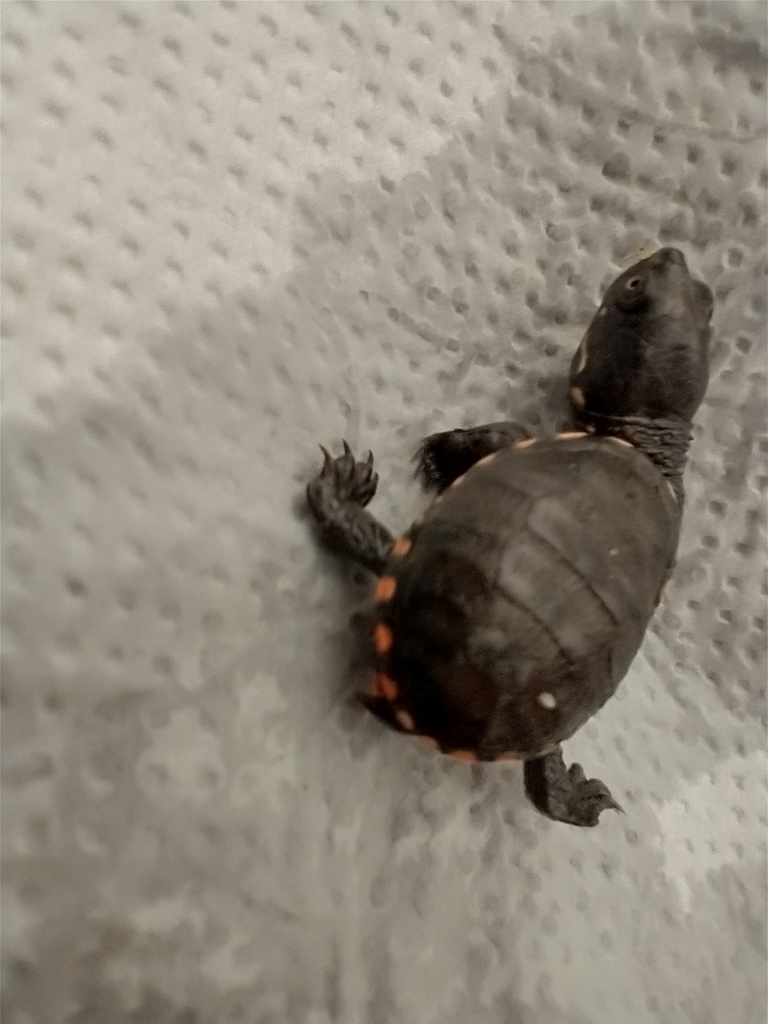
(463, 755)
(382, 638)
(568, 434)
(385, 687)
(458, 480)
(486, 459)
(511, 755)
(405, 721)
(401, 547)
(385, 588)
(577, 397)
(526, 443)
(620, 440)
(429, 742)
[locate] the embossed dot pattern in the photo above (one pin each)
(231, 231)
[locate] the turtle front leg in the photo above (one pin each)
(443, 458)
(566, 794)
(337, 498)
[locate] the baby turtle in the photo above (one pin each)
(508, 614)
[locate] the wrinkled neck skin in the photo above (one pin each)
(665, 442)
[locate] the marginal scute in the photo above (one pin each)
(486, 459)
(526, 443)
(463, 755)
(401, 547)
(457, 481)
(385, 588)
(582, 351)
(382, 638)
(429, 742)
(569, 435)
(385, 687)
(405, 720)
(620, 440)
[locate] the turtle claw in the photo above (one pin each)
(342, 479)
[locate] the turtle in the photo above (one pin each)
(507, 615)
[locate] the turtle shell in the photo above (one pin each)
(509, 614)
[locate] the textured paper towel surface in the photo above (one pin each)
(230, 232)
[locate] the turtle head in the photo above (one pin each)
(646, 353)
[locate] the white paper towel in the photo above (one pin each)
(232, 231)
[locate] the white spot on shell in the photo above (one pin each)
(613, 551)
(547, 700)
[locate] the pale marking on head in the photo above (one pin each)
(568, 435)
(486, 459)
(547, 700)
(620, 440)
(577, 397)
(526, 443)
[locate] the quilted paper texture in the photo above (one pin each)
(232, 231)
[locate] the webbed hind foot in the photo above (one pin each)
(566, 794)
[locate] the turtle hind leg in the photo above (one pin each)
(337, 498)
(443, 458)
(566, 794)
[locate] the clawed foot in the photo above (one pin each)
(342, 480)
(444, 457)
(337, 498)
(566, 794)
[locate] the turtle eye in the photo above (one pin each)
(632, 295)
